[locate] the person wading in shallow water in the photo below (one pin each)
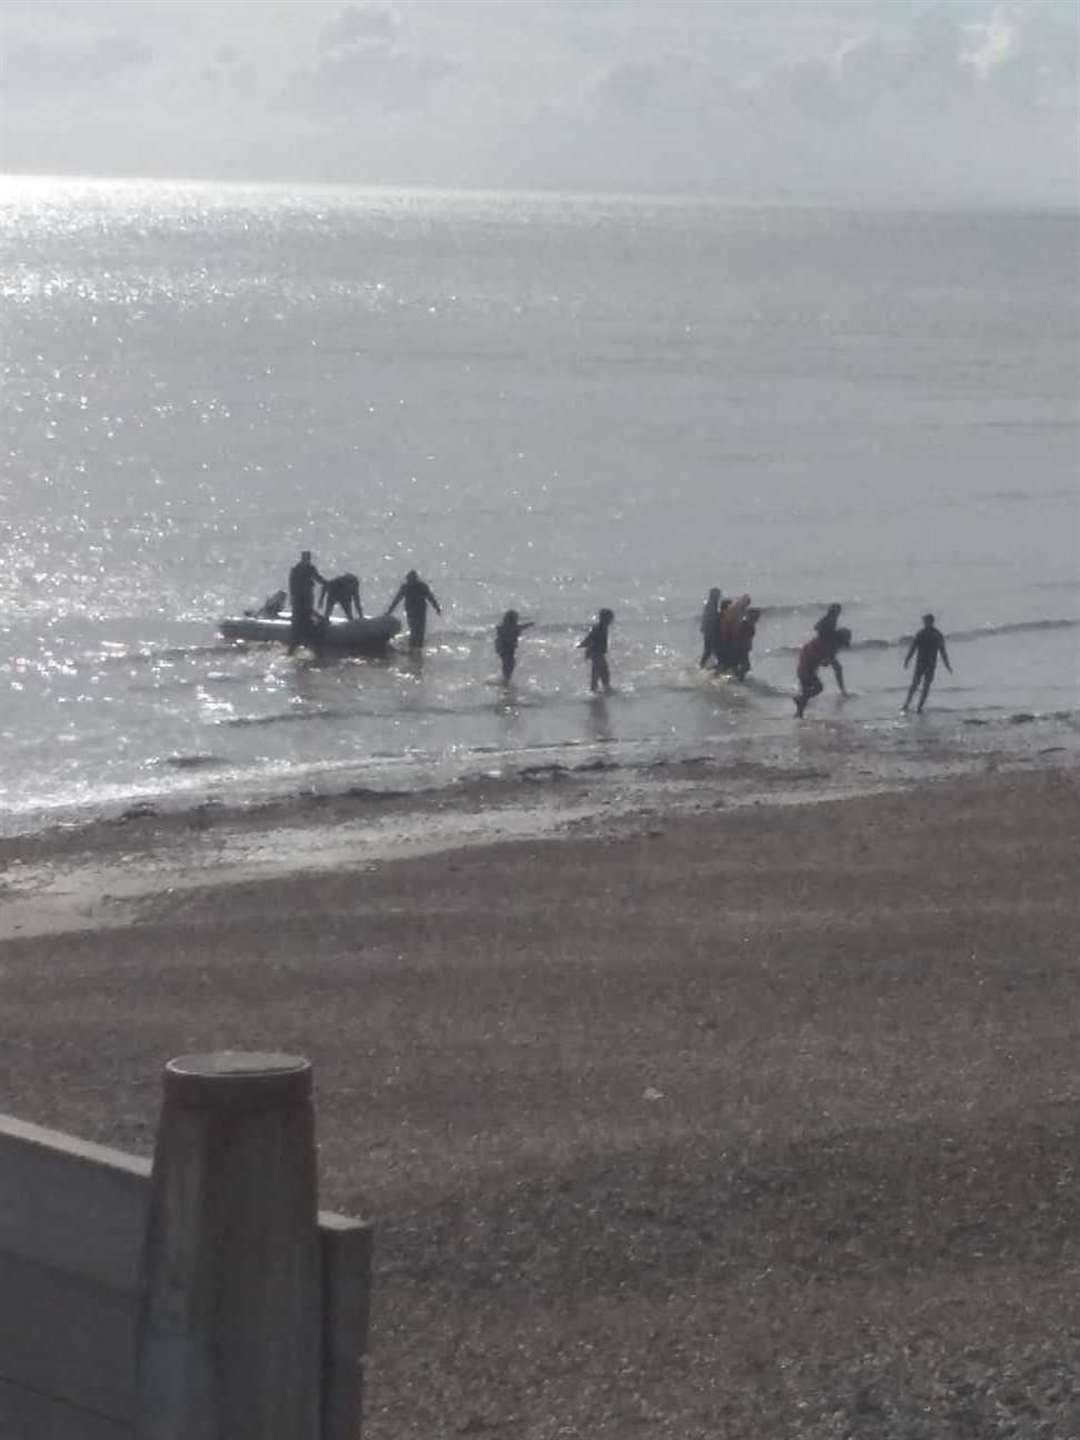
(507, 634)
(744, 642)
(595, 645)
(927, 645)
(826, 629)
(306, 624)
(417, 596)
(821, 650)
(711, 618)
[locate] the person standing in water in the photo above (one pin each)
(305, 623)
(744, 642)
(507, 634)
(825, 628)
(595, 645)
(710, 627)
(927, 645)
(417, 596)
(821, 650)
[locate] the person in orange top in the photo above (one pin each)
(819, 651)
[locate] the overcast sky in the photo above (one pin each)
(849, 100)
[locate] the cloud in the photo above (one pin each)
(37, 70)
(1021, 52)
(359, 25)
(365, 61)
(1027, 54)
(628, 86)
(872, 73)
(829, 99)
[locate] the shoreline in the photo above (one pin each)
(97, 873)
(844, 745)
(751, 1121)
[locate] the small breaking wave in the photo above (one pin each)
(984, 632)
(142, 654)
(1026, 717)
(804, 607)
(198, 761)
(868, 644)
(285, 717)
(1017, 628)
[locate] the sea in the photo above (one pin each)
(540, 401)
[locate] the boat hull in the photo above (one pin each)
(352, 637)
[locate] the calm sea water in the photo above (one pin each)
(546, 402)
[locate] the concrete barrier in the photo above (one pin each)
(79, 1259)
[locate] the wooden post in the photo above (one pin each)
(346, 1249)
(229, 1339)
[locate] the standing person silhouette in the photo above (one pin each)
(595, 645)
(710, 627)
(927, 645)
(744, 641)
(507, 634)
(304, 622)
(417, 596)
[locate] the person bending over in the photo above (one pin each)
(271, 607)
(819, 651)
(826, 628)
(343, 590)
(927, 645)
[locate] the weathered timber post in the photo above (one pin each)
(229, 1336)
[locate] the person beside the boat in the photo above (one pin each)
(270, 608)
(306, 624)
(417, 596)
(343, 590)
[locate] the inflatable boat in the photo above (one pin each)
(355, 637)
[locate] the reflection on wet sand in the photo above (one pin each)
(599, 727)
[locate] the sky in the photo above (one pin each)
(827, 101)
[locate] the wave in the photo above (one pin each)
(1017, 628)
(192, 762)
(805, 607)
(1073, 584)
(451, 634)
(869, 644)
(283, 717)
(1027, 717)
(984, 632)
(153, 655)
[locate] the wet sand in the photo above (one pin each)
(756, 1122)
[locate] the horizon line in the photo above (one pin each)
(699, 196)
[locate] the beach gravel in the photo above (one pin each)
(755, 1124)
